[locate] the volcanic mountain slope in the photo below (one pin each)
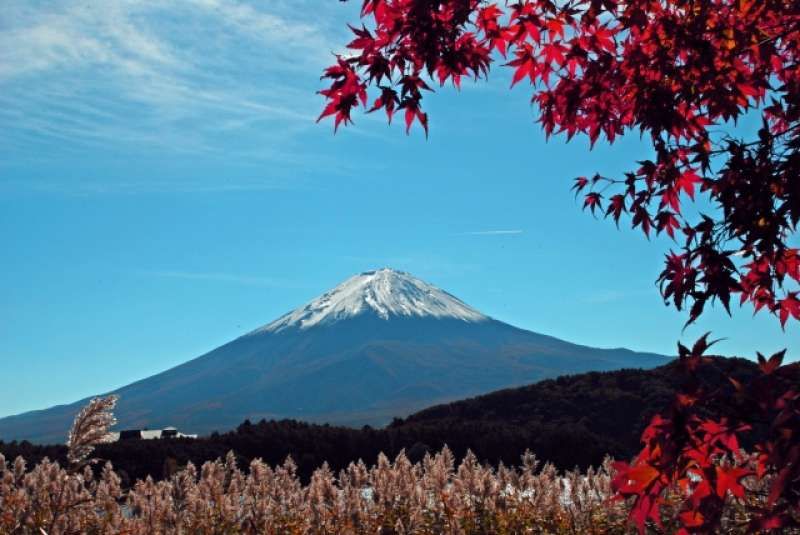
(381, 344)
(573, 420)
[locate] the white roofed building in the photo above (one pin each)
(148, 434)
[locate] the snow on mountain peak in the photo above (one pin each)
(384, 292)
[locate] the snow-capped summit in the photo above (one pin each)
(384, 292)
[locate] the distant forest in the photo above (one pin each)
(569, 421)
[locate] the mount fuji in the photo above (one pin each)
(382, 344)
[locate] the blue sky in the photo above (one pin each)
(164, 189)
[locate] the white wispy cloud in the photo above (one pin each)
(176, 75)
(503, 232)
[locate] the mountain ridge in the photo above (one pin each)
(340, 360)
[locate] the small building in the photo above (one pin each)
(148, 434)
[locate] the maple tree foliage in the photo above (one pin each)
(697, 452)
(682, 73)
(677, 71)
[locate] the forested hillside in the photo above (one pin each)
(570, 421)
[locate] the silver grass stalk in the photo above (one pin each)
(90, 428)
(435, 496)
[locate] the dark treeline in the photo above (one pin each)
(570, 421)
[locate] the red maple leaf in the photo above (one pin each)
(616, 206)
(525, 64)
(413, 112)
(729, 479)
(768, 366)
(789, 306)
(687, 182)
(592, 201)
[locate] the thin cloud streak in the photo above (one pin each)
(221, 277)
(603, 297)
(493, 232)
(83, 188)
